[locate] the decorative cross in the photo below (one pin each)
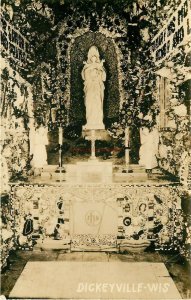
(93, 138)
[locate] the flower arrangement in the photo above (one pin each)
(13, 91)
(15, 113)
(176, 139)
(140, 108)
(181, 239)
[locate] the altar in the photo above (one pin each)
(100, 216)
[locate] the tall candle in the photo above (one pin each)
(60, 135)
(127, 137)
(127, 146)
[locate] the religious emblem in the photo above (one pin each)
(93, 218)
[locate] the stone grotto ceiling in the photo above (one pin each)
(38, 19)
(50, 26)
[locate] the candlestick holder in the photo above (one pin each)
(149, 173)
(127, 168)
(61, 170)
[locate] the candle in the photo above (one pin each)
(60, 135)
(127, 146)
(127, 137)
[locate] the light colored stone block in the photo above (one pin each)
(79, 279)
(94, 171)
(46, 175)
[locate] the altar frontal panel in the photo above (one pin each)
(95, 218)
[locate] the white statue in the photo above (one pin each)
(4, 174)
(149, 147)
(38, 142)
(94, 75)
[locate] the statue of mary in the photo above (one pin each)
(94, 75)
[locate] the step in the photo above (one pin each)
(126, 177)
(59, 176)
(46, 175)
(137, 166)
(133, 168)
(50, 244)
(50, 168)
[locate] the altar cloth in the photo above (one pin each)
(95, 280)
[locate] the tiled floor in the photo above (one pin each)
(178, 269)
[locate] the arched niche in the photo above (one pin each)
(78, 55)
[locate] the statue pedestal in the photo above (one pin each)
(102, 133)
(94, 127)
